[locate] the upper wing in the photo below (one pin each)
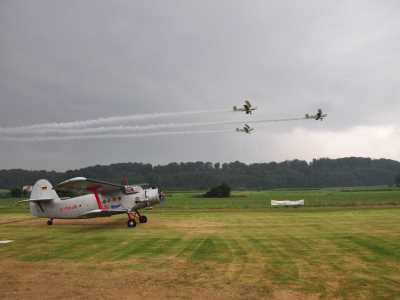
(82, 184)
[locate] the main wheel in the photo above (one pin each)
(143, 219)
(131, 223)
(49, 222)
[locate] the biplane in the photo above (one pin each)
(246, 129)
(247, 107)
(95, 199)
(318, 116)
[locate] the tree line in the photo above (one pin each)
(351, 171)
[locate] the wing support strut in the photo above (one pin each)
(95, 191)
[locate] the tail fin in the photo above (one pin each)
(43, 191)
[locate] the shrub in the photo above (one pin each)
(220, 191)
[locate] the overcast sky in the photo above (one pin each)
(64, 61)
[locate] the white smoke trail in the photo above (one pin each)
(110, 129)
(102, 121)
(108, 136)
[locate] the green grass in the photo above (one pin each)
(256, 200)
(347, 245)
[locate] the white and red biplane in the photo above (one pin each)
(97, 199)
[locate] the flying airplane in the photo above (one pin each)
(246, 129)
(247, 107)
(98, 199)
(318, 116)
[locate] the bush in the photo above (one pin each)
(220, 191)
(18, 193)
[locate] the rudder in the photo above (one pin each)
(42, 190)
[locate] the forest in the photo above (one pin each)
(324, 172)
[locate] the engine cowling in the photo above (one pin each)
(152, 195)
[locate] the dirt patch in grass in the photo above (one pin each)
(16, 219)
(190, 226)
(290, 295)
(135, 279)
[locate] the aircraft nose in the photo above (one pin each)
(153, 195)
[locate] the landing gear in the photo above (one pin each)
(142, 219)
(132, 223)
(50, 222)
(133, 215)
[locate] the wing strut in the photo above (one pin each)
(95, 191)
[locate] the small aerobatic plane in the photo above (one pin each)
(318, 116)
(246, 129)
(98, 199)
(247, 107)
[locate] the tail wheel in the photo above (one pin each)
(50, 222)
(143, 219)
(131, 223)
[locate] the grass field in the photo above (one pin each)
(346, 245)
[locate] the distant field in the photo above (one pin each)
(194, 248)
(262, 199)
(313, 198)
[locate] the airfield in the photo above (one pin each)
(344, 244)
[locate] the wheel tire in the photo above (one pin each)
(49, 222)
(143, 219)
(131, 223)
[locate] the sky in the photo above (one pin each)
(173, 62)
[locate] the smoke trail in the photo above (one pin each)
(108, 136)
(102, 121)
(110, 129)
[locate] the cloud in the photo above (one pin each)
(71, 60)
(366, 141)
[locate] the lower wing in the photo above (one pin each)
(103, 213)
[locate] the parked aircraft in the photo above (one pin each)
(246, 129)
(247, 107)
(318, 116)
(98, 199)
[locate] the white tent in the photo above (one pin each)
(287, 203)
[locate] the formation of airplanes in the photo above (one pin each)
(96, 199)
(104, 199)
(248, 108)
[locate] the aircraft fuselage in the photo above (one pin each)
(79, 207)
